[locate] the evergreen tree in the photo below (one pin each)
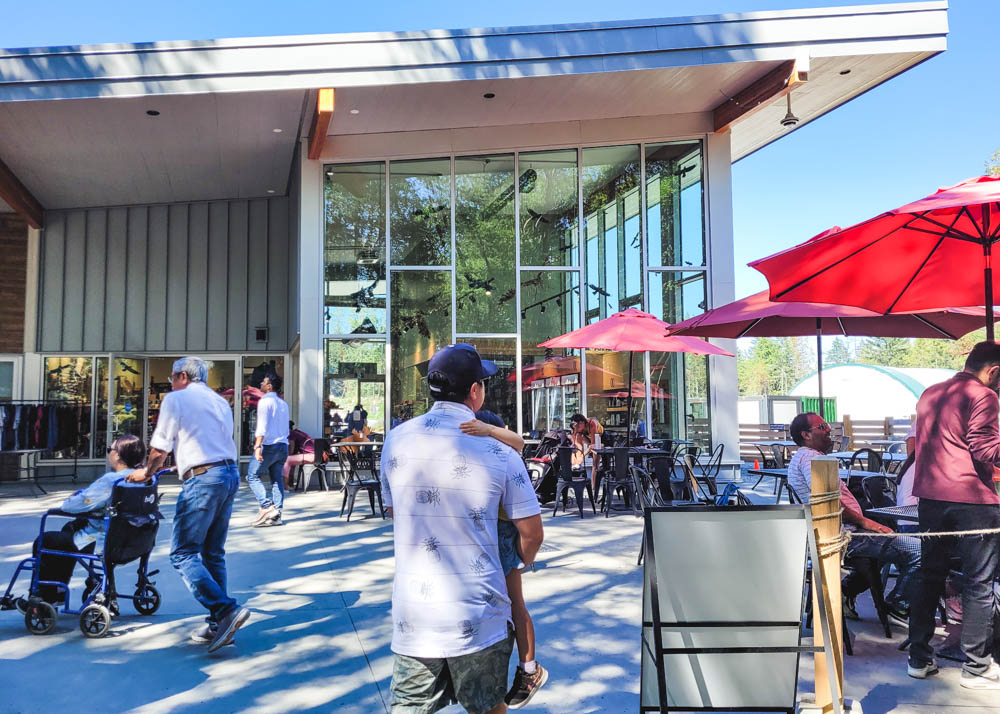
(839, 352)
(884, 351)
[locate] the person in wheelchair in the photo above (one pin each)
(85, 534)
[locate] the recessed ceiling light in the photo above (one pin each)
(489, 95)
(270, 190)
(152, 112)
(276, 131)
(845, 71)
(355, 111)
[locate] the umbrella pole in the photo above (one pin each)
(988, 280)
(819, 364)
(628, 420)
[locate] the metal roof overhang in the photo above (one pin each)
(221, 101)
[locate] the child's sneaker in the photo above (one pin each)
(524, 687)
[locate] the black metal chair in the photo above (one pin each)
(867, 459)
(663, 470)
(571, 480)
(619, 481)
(361, 476)
(304, 472)
(710, 471)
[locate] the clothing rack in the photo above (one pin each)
(75, 435)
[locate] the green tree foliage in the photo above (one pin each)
(839, 352)
(885, 351)
(774, 365)
(993, 164)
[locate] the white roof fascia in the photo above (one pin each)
(375, 59)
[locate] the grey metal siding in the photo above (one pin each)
(186, 277)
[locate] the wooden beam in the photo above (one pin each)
(19, 198)
(320, 122)
(776, 83)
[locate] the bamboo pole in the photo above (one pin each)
(826, 479)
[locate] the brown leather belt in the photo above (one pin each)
(199, 470)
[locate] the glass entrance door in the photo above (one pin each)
(221, 379)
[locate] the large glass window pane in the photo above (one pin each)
(70, 379)
(607, 393)
(484, 242)
(354, 249)
(674, 204)
(420, 212)
(128, 380)
(501, 389)
(354, 375)
(550, 379)
(6, 380)
(611, 229)
(421, 324)
(548, 188)
(679, 382)
(101, 408)
(255, 368)
(221, 379)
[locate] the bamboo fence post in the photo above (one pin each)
(826, 479)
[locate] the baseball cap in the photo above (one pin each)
(456, 368)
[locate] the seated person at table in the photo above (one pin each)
(586, 436)
(530, 676)
(812, 434)
(84, 535)
(357, 421)
(300, 451)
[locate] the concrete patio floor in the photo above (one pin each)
(318, 640)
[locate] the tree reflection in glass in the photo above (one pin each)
(420, 212)
(550, 379)
(548, 216)
(484, 242)
(421, 325)
(354, 249)
(679, 382)
(611, 177)
(674, 204)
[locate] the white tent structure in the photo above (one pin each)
(867, 391)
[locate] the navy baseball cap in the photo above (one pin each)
(456, 368)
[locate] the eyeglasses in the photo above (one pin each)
(822, 427)
(110, 449)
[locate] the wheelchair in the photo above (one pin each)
(131, 520)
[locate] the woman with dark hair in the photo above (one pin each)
(84, 535)
(586, 436)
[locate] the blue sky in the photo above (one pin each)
(933, 126)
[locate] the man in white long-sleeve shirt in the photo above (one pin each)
(270, 449)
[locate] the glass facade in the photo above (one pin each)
(506, 251)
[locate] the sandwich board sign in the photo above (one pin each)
(723, 599)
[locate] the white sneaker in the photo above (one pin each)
(990, 679)
(922, 671)
(264, 514)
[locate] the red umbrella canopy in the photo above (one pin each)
(758, 316)
(638, 391)
(920, 256)
(632, 331)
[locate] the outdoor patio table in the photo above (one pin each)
(782, 476)
(28, 466)
(890, 458)
(787, 443)
(897, 513)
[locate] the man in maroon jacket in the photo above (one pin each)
(958, 446)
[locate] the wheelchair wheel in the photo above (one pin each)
(95, 620)
(146, 600)
(40, 619)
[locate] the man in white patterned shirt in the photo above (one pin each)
(451, 634)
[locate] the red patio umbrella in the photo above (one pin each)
(758, 316)
(632, 331)
(915, 257)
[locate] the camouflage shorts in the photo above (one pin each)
(477, 681)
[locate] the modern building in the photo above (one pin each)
(343, 205)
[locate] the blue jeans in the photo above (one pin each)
(274, 460)
(201, 523)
